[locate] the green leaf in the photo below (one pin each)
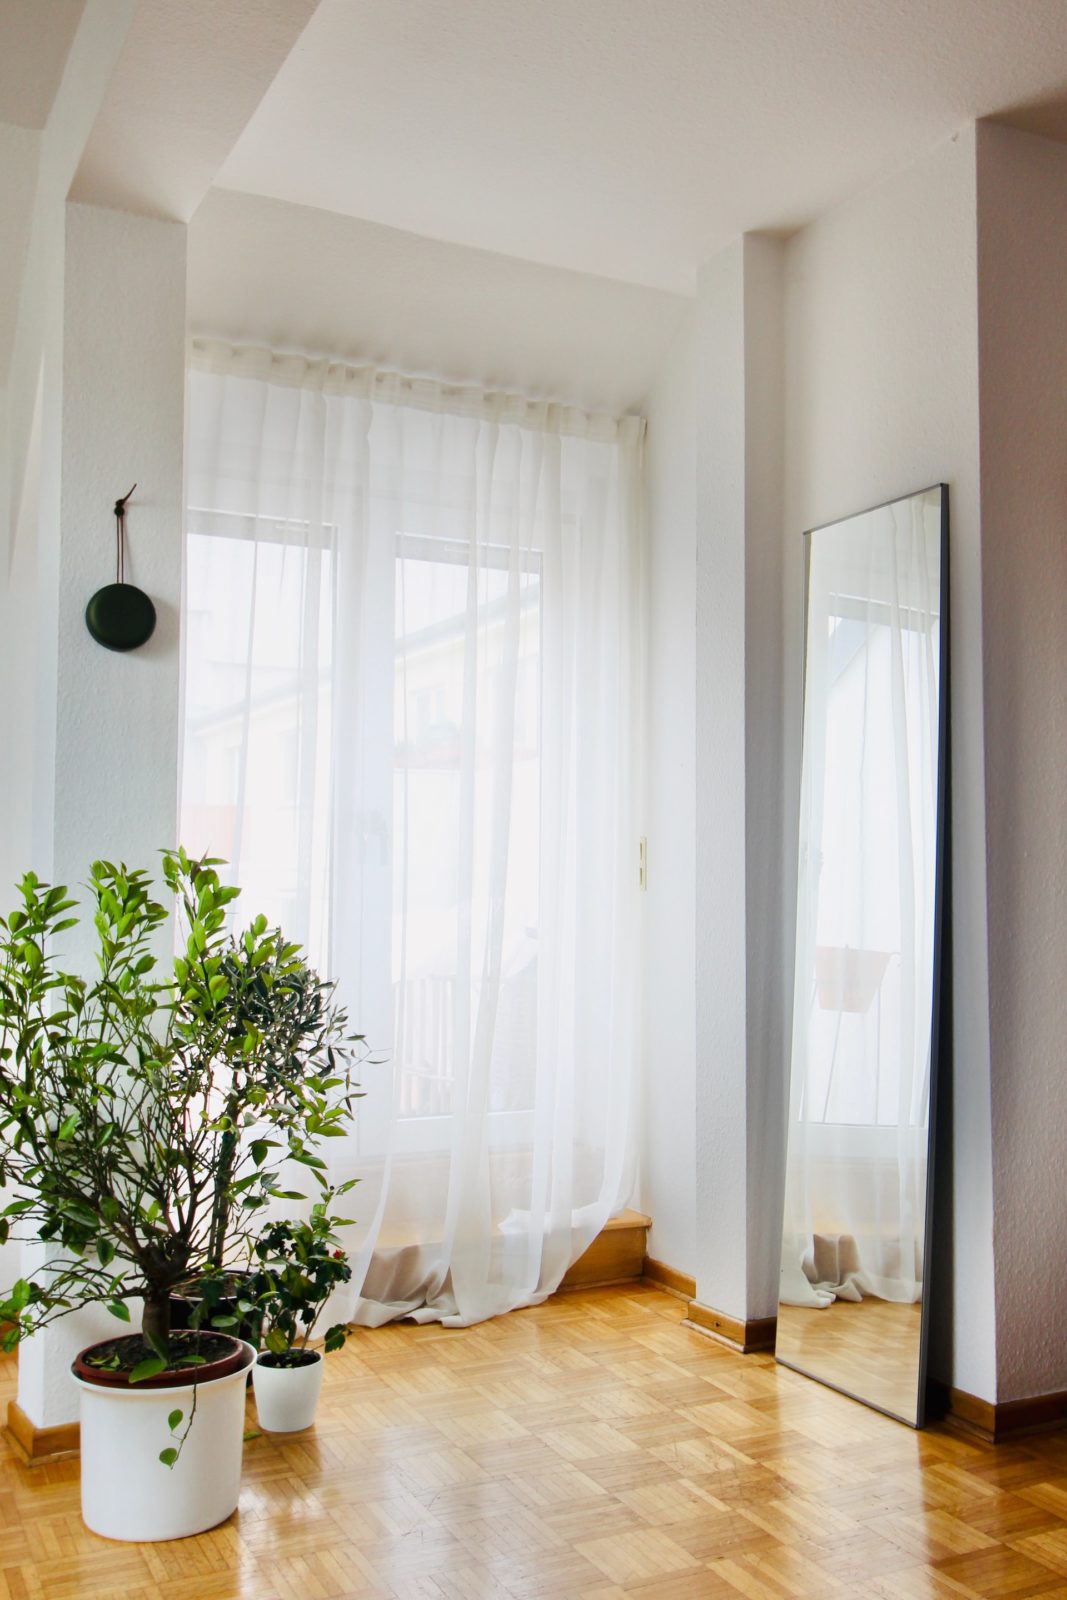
(105, 1251)
(31, 954)
(174, 1419)
(150, 1368)
(158, 1346)
(168, 1456)
(67, 1127)
(307, 1158)
(120, 1309)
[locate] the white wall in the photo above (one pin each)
(123, 423)
(20, 159)
(882, 399)
(668, 1157)
(115, 716)
(1022, 277)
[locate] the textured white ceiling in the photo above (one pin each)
(629, 138)
(188, 78)
(35, 40)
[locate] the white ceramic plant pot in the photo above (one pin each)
(286, 1397)
(127, 1492)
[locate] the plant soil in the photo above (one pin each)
(292, 1358)
(112, 1360)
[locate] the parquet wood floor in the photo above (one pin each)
(591, 1449)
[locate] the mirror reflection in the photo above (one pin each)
(855, 1241)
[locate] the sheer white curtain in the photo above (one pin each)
(412, 710)
(860, 1083)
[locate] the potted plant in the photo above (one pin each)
(116, 1137)
(300, 1264)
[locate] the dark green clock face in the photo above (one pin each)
(120, 616)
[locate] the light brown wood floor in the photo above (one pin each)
(590, 1447)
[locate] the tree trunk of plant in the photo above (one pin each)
(220, 1217)
(155, 1323)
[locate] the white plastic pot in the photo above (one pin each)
(286, 1397)
(127, 1492)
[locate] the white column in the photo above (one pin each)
(115, 759)
(740, 1053)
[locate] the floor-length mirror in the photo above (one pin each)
(867, 979)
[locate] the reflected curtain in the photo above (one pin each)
(862, 1008)
(412, 677)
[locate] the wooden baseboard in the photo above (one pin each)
(41, 1444)
(1024, 1416)
(746, 1337)
(996, 1421)
(616, 1255)
(665, 1277)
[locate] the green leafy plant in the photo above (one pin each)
(280, 1029)
(300, 1264)
(145, 1120)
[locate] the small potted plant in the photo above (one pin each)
(116, 1138)
(300, 1264)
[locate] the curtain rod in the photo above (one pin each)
(391, 387)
